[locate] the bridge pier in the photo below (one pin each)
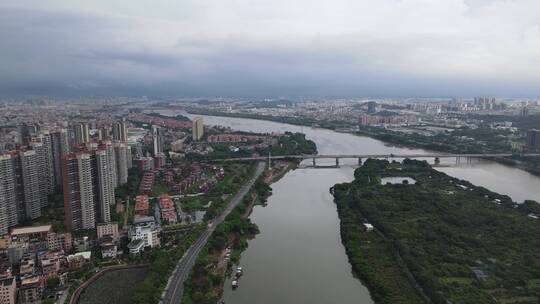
(359, 161)
(314, 163)
(337, 162)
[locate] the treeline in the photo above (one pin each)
(291, 144)
(205, 282)
(461, 243)
(161, 264)
(288, 144)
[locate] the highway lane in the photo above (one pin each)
(175, 288)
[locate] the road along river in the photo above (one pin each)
(298, 256)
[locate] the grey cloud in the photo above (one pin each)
(57, 51)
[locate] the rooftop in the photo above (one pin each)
(32, 229)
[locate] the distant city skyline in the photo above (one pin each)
(343, 48)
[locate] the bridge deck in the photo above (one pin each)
(338, 156)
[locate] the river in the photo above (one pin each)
(298, 256)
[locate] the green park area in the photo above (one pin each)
(437, 239)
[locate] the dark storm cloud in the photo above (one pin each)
(351, 48)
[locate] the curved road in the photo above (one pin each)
(175, 288)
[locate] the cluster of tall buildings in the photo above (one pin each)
(90, 175)
(485, 103)
(28, 175)
(63, 160)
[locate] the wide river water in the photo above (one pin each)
(298, 256)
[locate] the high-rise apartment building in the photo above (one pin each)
(157, 139)
(129, 160)
(88, 187)
(198, 128)
(121, 158)
(111, 155)
(103, 133)
(32, 187)
(43, 171)
(60, 146)
(8, 194)
(82, 133)
(48, 162)
(120, 131)
(104, 185)
(79, 206)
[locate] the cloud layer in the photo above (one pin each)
(271, 47)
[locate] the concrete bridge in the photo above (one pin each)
(359, 157)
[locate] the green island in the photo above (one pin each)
(436, 238)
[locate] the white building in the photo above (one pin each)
(145, 229)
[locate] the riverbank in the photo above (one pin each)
(230, 238)
(301, 217)
(229, 241)
(461, 243)
(529, 165)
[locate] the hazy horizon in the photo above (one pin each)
(312, 49)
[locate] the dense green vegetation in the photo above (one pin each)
(131, 188)
(205, 282)
(460, 242)
(290, 143)
(464, 140)
(161, 263)
(114, 287)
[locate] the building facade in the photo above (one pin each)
(197, 129)
(157, 139)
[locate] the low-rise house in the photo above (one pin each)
(34, 238)
(108, 247)
(8, 290)
(141, 205)
(136, 247)
(145, 229)
(108, 229)
(50, 263)
(168, 214)
(28, 265)
(77, 260)
(82, 244)
(31, 290)
(59, 241)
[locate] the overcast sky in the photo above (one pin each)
(271, 47)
